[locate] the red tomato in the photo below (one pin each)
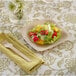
(32, 33)
(42, 32)
(35, 33)
(35, 38)
(46, 32)
(54, 34)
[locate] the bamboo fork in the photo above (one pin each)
(9, 45)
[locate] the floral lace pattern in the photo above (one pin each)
(60, 60)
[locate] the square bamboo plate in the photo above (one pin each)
(24, 31)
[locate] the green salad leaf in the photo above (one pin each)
(48, 38)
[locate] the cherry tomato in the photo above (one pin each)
(54, 34)
(32, 33)
(42, 32)
(35, 38)
(46, 32)
(35, 33)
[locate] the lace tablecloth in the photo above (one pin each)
(61, 60)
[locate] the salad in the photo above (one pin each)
(46, 33)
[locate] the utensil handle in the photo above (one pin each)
(20, 54)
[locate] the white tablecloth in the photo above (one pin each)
(60, 60)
